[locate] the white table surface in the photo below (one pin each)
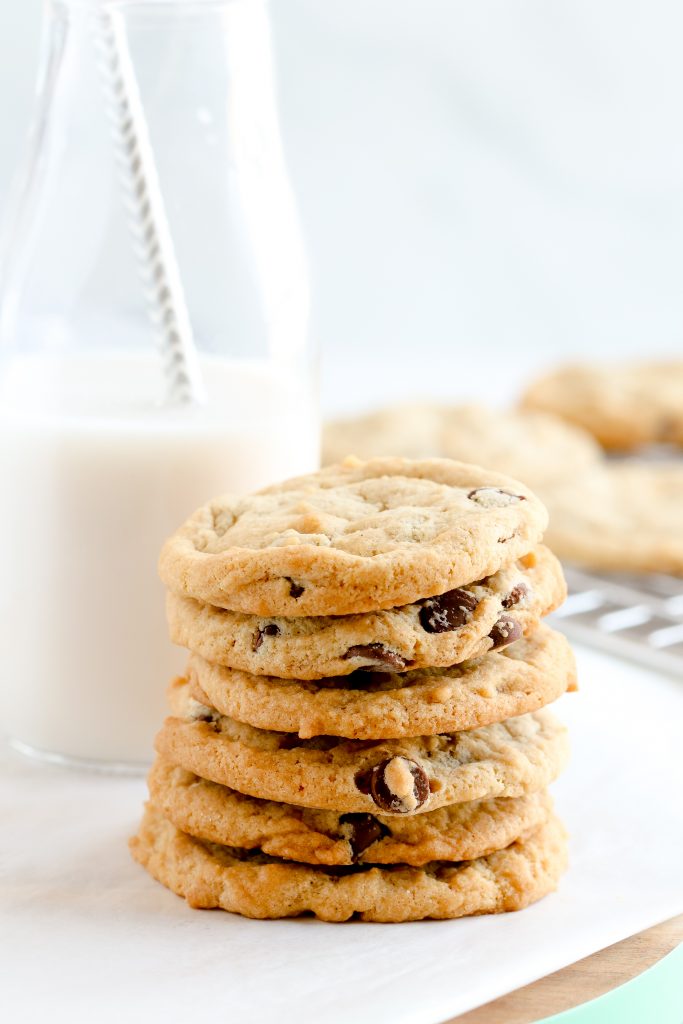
(86, 935)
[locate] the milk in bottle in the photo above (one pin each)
(91, 488)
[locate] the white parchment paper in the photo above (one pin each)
(86, 935)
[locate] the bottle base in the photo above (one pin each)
(84, 764)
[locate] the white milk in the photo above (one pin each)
(90, 489)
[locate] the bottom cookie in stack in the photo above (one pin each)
(481, 857)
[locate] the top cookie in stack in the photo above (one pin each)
(365, 646)
(355, 537)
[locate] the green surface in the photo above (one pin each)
(654, 997)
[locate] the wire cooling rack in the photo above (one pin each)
(639, 617)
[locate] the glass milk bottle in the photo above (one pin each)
(154, 350)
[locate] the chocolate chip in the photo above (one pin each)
(204, 716)
(365, 830)
(505, 631)
(363, 780)
(377, 652)
(295, 589)
(517, 594)
(494, 497)
(270, 629)
(388, 792)
(447, 611)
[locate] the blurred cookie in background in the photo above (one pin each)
(621, 516)
(623, 407)
(528, 445)
(412, 430)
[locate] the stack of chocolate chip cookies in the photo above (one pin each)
(361, 730)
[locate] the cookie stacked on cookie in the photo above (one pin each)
(362, 727)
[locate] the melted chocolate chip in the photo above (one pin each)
(494, 497)
(295, 589)
(365, 830)
(363, 779)
(385, 797)
(270, 629)
(517, 594)
(379, 653)
(505, 631)
(447, 611)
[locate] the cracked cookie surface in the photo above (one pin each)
(355, 537)
(523, 677)
(221, 815)
(437, 632)
(409, 775)
(255, 885)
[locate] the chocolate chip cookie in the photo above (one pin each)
(623, 406)
(356, 537)
(399, 776)
(256, 885)
(382, 705)
(220, 815)
(439, 631)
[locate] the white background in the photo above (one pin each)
(485, 187)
